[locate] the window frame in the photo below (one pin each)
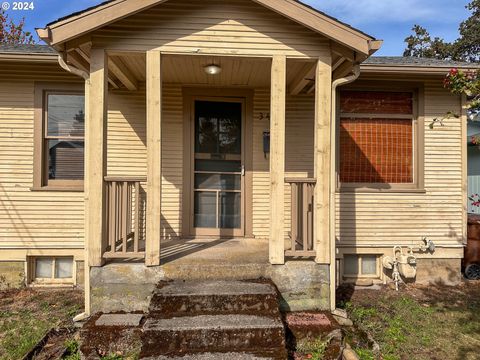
(41, 182)
(52, 281)
(418, 122)
(360, 275)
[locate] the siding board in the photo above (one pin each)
(212, 27)
(28, 218)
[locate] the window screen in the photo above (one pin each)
(376, 137)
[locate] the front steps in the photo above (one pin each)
(214, 320)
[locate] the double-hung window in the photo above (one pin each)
(61, 140)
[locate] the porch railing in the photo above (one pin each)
(302, 204)
(125, 218)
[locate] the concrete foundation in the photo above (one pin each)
(12, 274)
(303, 285)
(439, 271)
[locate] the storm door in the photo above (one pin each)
(218, 168)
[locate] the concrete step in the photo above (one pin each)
(215, 334)
(180, 298)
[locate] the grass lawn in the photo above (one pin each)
(27, 314)
(416, 323)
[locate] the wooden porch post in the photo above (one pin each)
(154, 158)
(277, 160)
(323, 105)
(95, 141)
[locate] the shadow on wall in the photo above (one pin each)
(132, 158)
(347, 199)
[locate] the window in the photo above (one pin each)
(60, 139)
(51, 270)
(360, 266)
(378, 135)
(64, 136)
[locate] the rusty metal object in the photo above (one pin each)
(472, 251)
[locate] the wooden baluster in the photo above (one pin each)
(108, 208)
(124, 217)
(136, 238)
(311, 190)
(117, 214)
(294, 215)
(305, 204)
(129, 209)
(113, 216)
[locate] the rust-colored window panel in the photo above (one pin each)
(376, 150)
(376, 102)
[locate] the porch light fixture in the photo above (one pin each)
(212, 69)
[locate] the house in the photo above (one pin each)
(473, 158)
(230, 140)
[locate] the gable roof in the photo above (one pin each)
(82, 22)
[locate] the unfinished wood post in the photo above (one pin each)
(277, 160)
(323, 104)
(95, 141)
(154, 158)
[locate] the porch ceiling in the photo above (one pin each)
(128, 70)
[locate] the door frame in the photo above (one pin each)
(245, 96)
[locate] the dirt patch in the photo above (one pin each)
(27, 315)
(53, 345)
(418, 322)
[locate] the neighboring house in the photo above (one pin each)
(192, 175)
(473, 132)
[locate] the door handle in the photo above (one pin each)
(243, 170)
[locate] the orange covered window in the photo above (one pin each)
(376, 137)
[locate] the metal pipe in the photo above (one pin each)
(75, 71)
(333, 180)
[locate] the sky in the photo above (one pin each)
(388, 20)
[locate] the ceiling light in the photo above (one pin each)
(212, 69)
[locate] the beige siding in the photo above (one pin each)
(55, 219)
(127, 150)
(236, 27)
(372, 219)
(28, 218)
(298, 154)
(261, 176)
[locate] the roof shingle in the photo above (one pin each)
(418, 62)
(27, 49)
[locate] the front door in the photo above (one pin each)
(218, 168)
